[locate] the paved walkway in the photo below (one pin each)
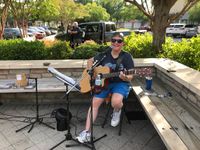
(139, 135)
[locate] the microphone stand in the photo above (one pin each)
(68, 136)
(91, 73)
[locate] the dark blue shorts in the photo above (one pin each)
(122, 88)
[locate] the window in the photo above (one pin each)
(92, 28)
(110, 27)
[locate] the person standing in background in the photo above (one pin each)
(75, 34)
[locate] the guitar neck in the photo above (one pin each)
(116, 74)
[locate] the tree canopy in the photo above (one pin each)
(131, 12)
(160, 14)
(48, 10)
(96, 12)
(194, 13)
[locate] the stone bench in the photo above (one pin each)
(176, 121)
(49, 90)
(48, 86)
(44, 85)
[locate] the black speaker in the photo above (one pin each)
(62, 118)
(136, 115)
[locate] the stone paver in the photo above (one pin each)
(137, 135)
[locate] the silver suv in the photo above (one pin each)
(176, 29)
(191, 30)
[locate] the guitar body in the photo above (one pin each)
(105, 73)
(85, 82)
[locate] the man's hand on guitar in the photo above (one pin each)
(123, 76)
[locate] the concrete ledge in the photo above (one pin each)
(44, 85)
(181, 73)
(185, 76)
(30, 64)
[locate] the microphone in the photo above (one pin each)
(112, 46)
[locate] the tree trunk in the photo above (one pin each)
(3, 19)
(158, 36)
(159, 22)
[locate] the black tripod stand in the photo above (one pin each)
(68, 136)
(38, 119)
(67, 81)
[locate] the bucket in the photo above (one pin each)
(62, 119)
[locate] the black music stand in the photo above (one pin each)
(74, 85)
(38, 119)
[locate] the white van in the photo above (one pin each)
(176, 29)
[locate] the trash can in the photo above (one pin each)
(62, 119)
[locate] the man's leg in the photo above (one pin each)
(117, 103)
(85, 135)
(96, 102)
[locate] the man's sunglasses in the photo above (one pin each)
(116, 40)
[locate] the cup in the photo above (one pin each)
(148, 83)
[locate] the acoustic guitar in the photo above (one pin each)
(105, 73)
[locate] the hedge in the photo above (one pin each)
(140, 46)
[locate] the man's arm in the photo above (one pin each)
(73, 32)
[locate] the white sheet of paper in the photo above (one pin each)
(19, 77)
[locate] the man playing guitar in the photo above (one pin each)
(118, 61)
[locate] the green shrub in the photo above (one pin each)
(139, 45)
(185, 52)
(59, 50)
(21, 50)
(195, 42)
(87, 50)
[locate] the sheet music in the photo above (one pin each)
(63, 77)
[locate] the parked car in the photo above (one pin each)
(11, 33)
(37, 34)
(147, 28)
(100, 32)
(176, 29)
(53, 30)
(191, 30)
(46, 30)
(38, 30)
(139, 31)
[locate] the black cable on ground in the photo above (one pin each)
(15, 117)
(81, 120)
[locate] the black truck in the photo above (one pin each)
(99, 32)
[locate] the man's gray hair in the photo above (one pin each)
(75, 24)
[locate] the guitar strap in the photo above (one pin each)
(119, 60)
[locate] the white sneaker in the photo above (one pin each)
(84, 136)
(115, 118)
